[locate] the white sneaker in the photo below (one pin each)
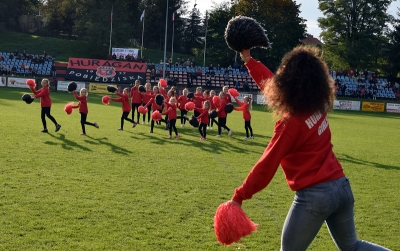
(245, 138)
(208, 127)
(142, 123)
(96, 125)
(181, 125)
(251, 137)
(230, 133)
(218, 136)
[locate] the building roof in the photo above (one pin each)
(311, 40)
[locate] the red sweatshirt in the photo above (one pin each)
(221, 109)
(44, 95)
(83, 108)
(244, 108)
(124, 99)
(203, 117)
(212, 105)
(154, 105)
(198, 100)
(227, 98)
(171, 111)
(301, 145)
(182, 102)
(136, 96)
(147, 96)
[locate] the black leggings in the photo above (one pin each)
(135, 107)
(222, 124)
(212, 122)
(148, 114)
(183, 119)
(125, 117)
(84, 122)
(158, 122)
(247, 126)
(172, 123)
(203, 130)
(46, 112)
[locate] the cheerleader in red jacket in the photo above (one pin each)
(171, 114)
(222, 115)
(45, 102)
(146, 98)
(198, 100)
(203, 119)
(245, 107)
(154, 106)
(301, 93)
(126, 107)
(136, 98)
(83, 109)
(182, 100)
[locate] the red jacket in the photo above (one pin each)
(154, 105)
(147, 96)
(221, 109)
(301, 145)
(124, 99)
(198, 100)
(212, 105)
(44, 95)
(171, 111)
(182, 102)
(203, 117)
(244, 108)
(83, 108)
(136, 96)
(227, 98)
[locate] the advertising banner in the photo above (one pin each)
(17, 82)
(261, 100)
(346, 105)
(373, 107)
(63, 86)
(124, 52)
(105, 71)
(242, 95)
(3, 81)
(99, 88)
(392, 108)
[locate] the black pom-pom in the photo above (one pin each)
(193, 121)
(228, 108)
(190, 95)
(72, 87)
(142, 88)
(213, 114)
(159, 99)
(111, 88)
(27, 98)
(245, 33)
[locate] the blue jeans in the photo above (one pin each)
(331, 202)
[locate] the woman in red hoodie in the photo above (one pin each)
(83, 109)
(126, 107)
(245, 107)
(136, 98)
(300, 94)
(45, 102)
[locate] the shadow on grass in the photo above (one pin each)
(65, 143)
(104, 141)
(343, 158)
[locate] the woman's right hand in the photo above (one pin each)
(245, 55)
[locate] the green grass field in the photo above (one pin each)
(132, 190)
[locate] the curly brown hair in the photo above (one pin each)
(302, 84)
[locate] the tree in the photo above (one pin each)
(356, 26)
(11, 10)
(193, 31)
(392, 66)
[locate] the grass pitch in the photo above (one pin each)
(132, 190)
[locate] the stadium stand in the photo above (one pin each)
(25, 66)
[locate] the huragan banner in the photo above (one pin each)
(105, 71)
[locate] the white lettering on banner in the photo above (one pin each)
(17, 82)
(313, 119)
(323, 126)
(392, 108)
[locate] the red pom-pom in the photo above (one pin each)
(142, 109)
(216, 100)
(68, 108)
(31, 83)
(156, 115)
(231, 224)
(163, 83)
(189, 106)
(105, 100)
(234, 93)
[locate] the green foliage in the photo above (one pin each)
(193, 31)
(132, 190)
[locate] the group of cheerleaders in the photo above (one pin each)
(135, 99)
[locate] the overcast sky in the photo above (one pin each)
(309, 11)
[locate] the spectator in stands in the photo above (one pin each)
(13, 70)
(236, 65)
(236, 84)
(210, 68)
(208, 82)
(8, 70)
(22, 68)
(396, 85)
(226, 75)
(16, 53)
(44, 54)
(218, 67)
(34, 71)
(246, 87)
(242, 68)
(30, 69)
(199, 72)
(11, 56)
(3, 70)
(229, 69)
(53, 71)
(1, 58)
